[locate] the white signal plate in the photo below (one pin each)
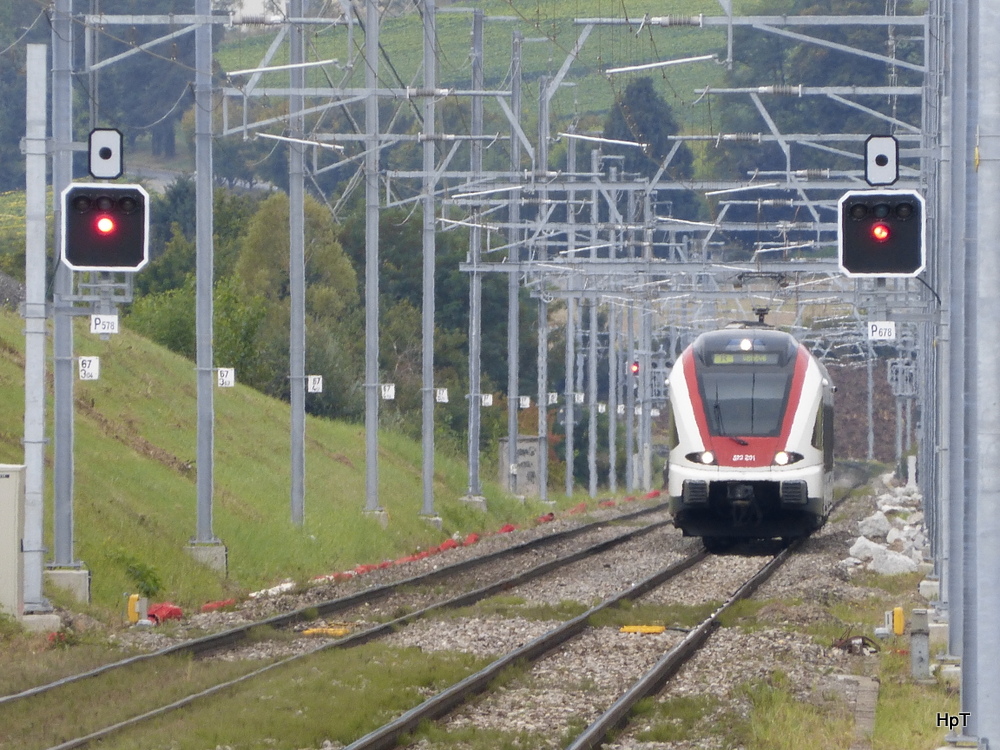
(90, 368)
(104, 324)
(882, 330)
(104, 150)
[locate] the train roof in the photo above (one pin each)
(743, 338)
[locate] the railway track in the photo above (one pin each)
(435, 708)
(498, 564)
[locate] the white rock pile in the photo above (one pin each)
(893, 539)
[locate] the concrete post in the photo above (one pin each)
(920, 667)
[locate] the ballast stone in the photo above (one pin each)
(877, 524)
(890, 563)
(865, 549)
(881, 560)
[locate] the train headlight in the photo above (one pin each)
(783, 458)
(701, 457)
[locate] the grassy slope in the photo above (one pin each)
(135, 495)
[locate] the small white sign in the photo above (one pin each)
(601, 407)
(577, 398)
(314, 383)
(90, 368)
(524, 402)
(104, 324)
(441, 395)
(882, 330)
(553, 398)
(621, 410)
(881, 160)
(388, 391)
(227, 377)
(104, 150)
(654, 412)
(486, 399)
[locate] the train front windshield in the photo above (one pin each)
(750, 402)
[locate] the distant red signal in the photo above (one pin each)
(634, 368)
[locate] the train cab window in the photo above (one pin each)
(745, 403)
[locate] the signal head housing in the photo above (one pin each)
(105, 227)
(881, 233)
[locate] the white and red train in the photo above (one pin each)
(750, 437)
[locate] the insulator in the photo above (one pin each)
(677, 21)
(781, 90)
(742, 137)
(258, 20)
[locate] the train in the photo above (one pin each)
(750, 437)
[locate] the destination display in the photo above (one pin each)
(745, 358)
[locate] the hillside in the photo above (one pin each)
(135, 495)
(851, 413)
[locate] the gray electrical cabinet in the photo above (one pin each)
(11, 535)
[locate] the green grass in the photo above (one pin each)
(550, 34)
(135, 494)
(905, 718)
(339, 696)
(681, 718)
(780, 721)
(93, 704)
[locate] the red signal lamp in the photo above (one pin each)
(881, 232)
(105, 225)
(634, 367)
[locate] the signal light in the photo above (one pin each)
(105, 227)
(881, 233)
(634, 367)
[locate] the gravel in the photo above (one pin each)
(570, 689)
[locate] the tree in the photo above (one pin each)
(642, 116)
(168, 318)
(401, 279)
(127, 95)
(172, 234)
(333, 320)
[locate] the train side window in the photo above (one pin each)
(672, 438)
(818, 432)
(828, 437)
